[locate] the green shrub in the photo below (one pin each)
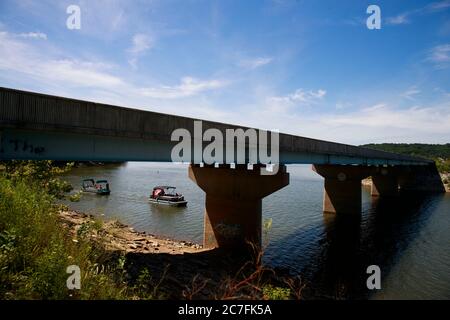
(276, 293)
(35, 250)
(44, 173)
(75, 197)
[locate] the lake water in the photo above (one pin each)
(409, 238)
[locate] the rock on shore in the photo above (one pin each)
(117, 236)
(179, 269)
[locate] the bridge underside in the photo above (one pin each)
(59, 145)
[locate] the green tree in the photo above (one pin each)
(45, 173)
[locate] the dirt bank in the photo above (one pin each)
(117, 236)
(179, 269)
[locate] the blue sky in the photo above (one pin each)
(305, 67)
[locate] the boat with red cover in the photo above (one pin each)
(166, 195)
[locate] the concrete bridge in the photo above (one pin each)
(35, 126)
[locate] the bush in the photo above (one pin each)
(276, 293)
(43, 173)
(35, 250)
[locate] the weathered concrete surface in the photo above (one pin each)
(385, 182)
(342, 187)
(233, 208)
(60, 128)
(420, 179)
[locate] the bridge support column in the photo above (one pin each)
(342, 187)
(419, 178)
(384, 182)
(233, 208)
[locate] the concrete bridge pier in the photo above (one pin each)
(342, 187)
(424, 178)
(385, 182)
(233, 208)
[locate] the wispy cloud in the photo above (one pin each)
(439, 5)
(255, 62)
(140, 44)
(430, 119)
(407, 16)
(380, 122)
(33, 35)
(300, 98)
(399, 19)
(21, 57)
(342, 105)
(17, 56)
(440, 56)
(188, 87)
(410, 93)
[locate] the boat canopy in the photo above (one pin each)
(164, 187)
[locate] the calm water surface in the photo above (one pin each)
(408, 238)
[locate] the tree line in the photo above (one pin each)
(437, 152)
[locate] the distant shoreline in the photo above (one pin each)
(444, 176)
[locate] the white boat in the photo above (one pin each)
(100, 187)
(166, 195)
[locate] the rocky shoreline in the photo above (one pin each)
(178, 269)
(446, 178)
(118, 236)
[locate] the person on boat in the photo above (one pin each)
(157, 193)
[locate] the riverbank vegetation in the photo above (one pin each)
(35, 249)
(37, 245)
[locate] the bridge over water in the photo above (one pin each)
(35, 126)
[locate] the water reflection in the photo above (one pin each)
(347, 244)
(339, 271)
(407, 237)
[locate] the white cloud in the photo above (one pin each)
(342, 105)
(188, 87)
(16, 56)
(410, 93)
(399, 19)
(383, 117)
(378, 123)
(440, 56)
(33, 35)
(405, 17)
(140, 44)
(255, 63)
(299, 97)
(440, 5)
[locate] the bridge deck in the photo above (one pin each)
(38, 126)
